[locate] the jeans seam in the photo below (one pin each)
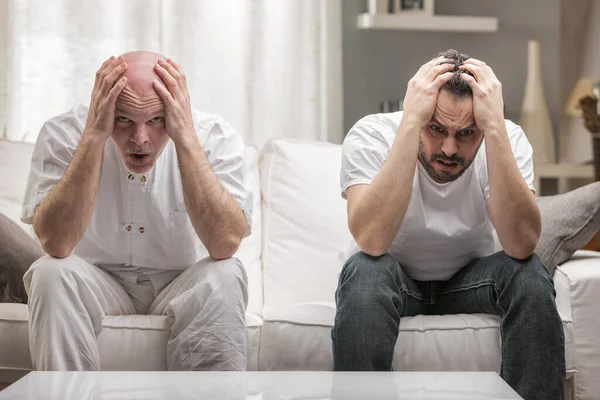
(484, 282)
(502, 347)
(412, 294)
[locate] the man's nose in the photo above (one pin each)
(140, 136)
(449, 146)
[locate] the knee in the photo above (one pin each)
(223, 278)
(364, 278)
(531, 278)
(362, 266)
(48, 274)
(50, 269)
(229, 271)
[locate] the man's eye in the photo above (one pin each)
(465, 134)
(123, 119)
(156, 120)
(435, 128)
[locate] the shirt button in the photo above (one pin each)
(143, 179)
(142, 230)
(130, 177)
(128, 228)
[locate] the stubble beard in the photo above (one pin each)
(444, 176)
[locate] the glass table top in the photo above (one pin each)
(259, 385)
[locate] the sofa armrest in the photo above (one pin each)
(577, 284)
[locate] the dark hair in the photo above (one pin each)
(456, 85)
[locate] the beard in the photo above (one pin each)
(444, 176)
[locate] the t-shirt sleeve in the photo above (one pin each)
(363, 154)
(523, 153)
(224, 149)
(52, 154)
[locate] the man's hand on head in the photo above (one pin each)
(423, 89)
(488, 104)
(108, 85)
(174, 93)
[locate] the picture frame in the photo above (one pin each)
(412, 7)
(405, 7)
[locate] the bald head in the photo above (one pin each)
(139, 94)
(140, 71)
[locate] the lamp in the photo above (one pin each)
(581, 108)
(587, 86)
(574, 139)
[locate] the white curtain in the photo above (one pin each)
(272, 68)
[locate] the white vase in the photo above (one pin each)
(377, 6)
(535, 118)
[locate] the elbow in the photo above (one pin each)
(374, 248)
(518, 254)
(522, 250)
(369, 239)
(54, 249)
(373, 252)
(224, 248)
(50, 245)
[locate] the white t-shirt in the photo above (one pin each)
(446, 225)
(140, 220)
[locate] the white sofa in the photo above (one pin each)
(299, 227)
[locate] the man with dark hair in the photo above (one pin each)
(426, 188)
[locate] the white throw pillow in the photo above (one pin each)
(304, 222)
(15, 162)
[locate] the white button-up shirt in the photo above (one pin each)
(140, 222)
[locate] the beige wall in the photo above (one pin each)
(574, 17)
(378, 64)
(591, 53)
(580, 57)
(3, 56)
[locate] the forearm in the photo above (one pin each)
(62, 217)
(377, 216)
(215, 215)
(511, 206)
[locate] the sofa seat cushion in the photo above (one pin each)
(298, 337)
(127, 342)
(580, 279)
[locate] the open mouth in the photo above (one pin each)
(138, 158)
(447, 165)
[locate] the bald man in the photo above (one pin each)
(140, 203)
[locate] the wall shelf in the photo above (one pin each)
(427, 22)
(563, 174)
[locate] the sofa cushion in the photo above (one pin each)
(15, 162)
(299, 338)
(18, 251)
(580, 278)
(127, 342)
(569, 221)
(251, 246)
(304, 221)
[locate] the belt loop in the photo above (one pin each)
(433, 293)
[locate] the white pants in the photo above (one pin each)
(68, 298)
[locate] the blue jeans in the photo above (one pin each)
(374, 293)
